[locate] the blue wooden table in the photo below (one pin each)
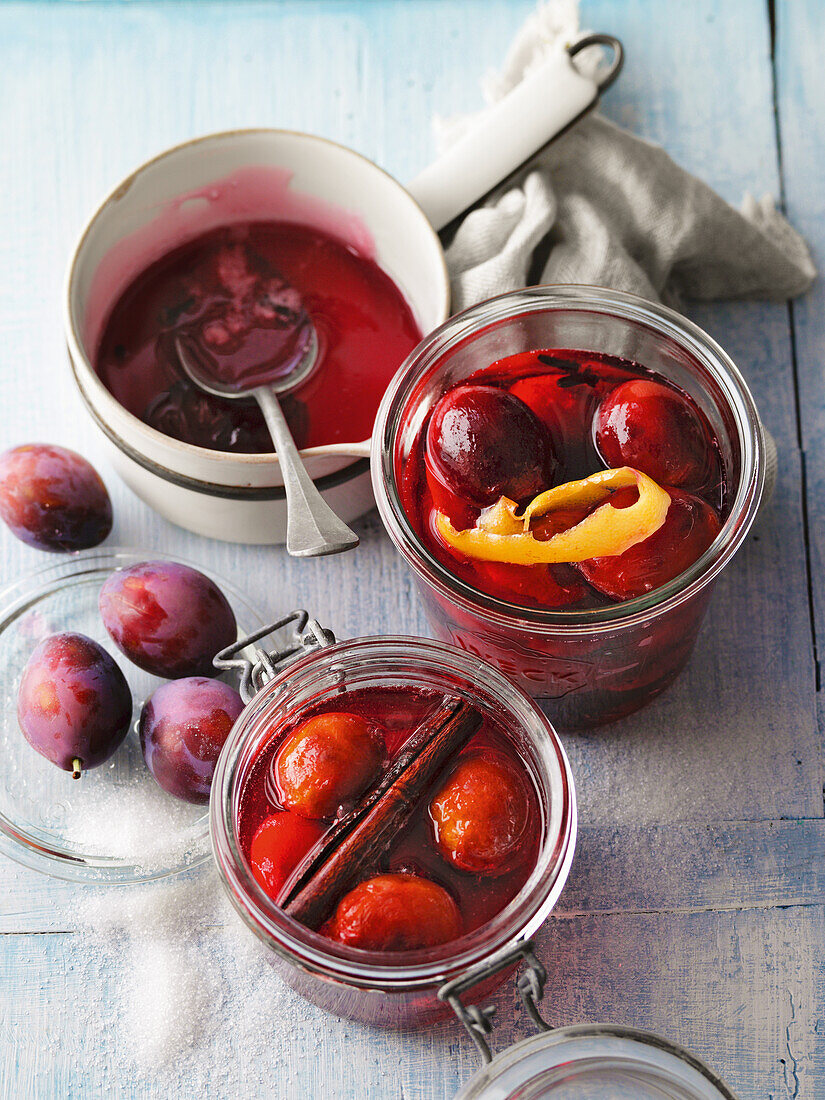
(695, 906)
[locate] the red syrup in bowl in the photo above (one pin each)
(243, 293)
(540, 419)
(471, 843)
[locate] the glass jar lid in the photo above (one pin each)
(595, 1062)
(579, 1062)
(115, 824)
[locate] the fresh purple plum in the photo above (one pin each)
(73, 704)
(484, 443)
(52, 498)
(183, 728)
(167, 618)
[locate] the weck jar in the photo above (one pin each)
(589, 666)
(386, 988)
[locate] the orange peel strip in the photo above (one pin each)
(501, 535)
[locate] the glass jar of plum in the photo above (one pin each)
(387, 813)
(567, 470)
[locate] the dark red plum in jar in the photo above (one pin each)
(183, 728)
(690, 527)
(167, 618)
(328, 762)
(73, 705)
(480, 814)
(529, 584)
(483, 443)
(280, 843)
(397, 912)
(586, 405)
(655, 429)
(53, 499)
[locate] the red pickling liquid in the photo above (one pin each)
(584, 412)
(397, 712)
(240, 292)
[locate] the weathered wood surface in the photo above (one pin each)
(695, 906)
(621, 869)
(801, 119)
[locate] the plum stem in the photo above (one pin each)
(77, 766)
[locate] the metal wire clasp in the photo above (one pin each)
(260, 666)
(479, 1021)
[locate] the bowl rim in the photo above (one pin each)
(81, 362)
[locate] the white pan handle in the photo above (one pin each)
(544, 104)
(512, 131)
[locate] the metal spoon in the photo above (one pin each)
(313, 529)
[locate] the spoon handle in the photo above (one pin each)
(312, 528)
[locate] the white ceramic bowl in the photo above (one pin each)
(280, 175)
(220, 180)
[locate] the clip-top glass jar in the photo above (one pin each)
(387, 988)
(579, 1062)
(590, 666)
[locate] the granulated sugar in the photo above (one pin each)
(139, 823)
(198, 1007)
(160, 991)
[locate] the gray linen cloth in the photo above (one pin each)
(605, 207)
(616, 211)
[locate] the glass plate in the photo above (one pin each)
(114, 824)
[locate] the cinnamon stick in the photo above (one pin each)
(318, 854)
(359, 838)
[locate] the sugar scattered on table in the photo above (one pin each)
(198, 992)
